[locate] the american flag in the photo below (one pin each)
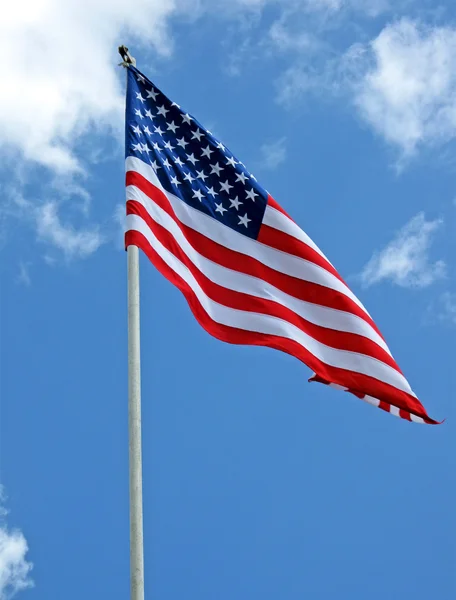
(249, 274)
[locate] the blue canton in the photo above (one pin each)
(189, 162)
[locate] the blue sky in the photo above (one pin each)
(256, 483)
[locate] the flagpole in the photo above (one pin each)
(134, 412)
(134, 429)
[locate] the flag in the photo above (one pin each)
(248, 272)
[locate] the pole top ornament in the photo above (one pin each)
(127, 59)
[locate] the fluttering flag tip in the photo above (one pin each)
(390, 408)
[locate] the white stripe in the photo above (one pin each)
(268, 325)
(247, 284)
(336, 386)
(416, 419)
(212, 229)
(371, 400)
(394, 410)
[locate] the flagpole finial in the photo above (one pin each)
(127, 59)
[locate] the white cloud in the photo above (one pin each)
(24, 275)
(284, 36)
(120, 219)
(405, 84)
(296, 82)
(49, 260)
(302, 24)
(14, 568)
(59, 61)
(405, 259)
(446, 308)
(75, 243)
(44, 218)
(402, 83)
(273, 154)
(371, 7)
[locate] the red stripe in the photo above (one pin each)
(404, 415)
(384, 392)
(246, 302)
(298, 288)
(384, 406)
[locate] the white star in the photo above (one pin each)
(146, 149)
(192, 159)
(138, 112)
(137, 148)
(201, 175)
(231, 161)
(197, 135)
(251, 194)
(168, 145)
(152, 94)
(156, 147)
(212, 192)
(216, 169)
(253, 177)
(175, 181)
(220, 208)
(182, 143)
(166, 163)
(186, 119)
(140, 78)
(226, 186)
(207, 151)
(147, 130)
(235, 203)
(174, 104)
(179, 162)
(149, 114)
(172, 126)
(244, 220)
(158, 130)
(241, 177)
(189, 178)
(139, 97)
(162, 111)
(137, 130)
(155, 166)
(221, 146)
(198, 194)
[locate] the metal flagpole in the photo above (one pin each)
(134, 429)
(134, 413)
